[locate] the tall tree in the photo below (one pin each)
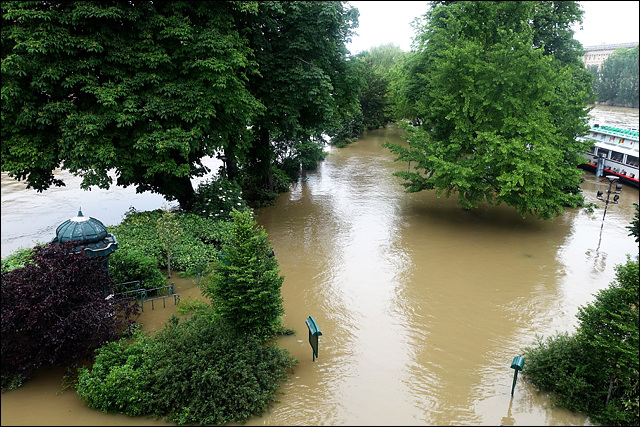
(499, 108)
(617, 80)
(245, 286)
(145, 89)
(304, 78)
(375, 98)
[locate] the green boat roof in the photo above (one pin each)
(622, 132)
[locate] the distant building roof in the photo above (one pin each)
(611, 46)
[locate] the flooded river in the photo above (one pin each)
(422, 305)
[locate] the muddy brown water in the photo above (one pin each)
(422, 305)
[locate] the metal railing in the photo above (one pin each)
(142, 295)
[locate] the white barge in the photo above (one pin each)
(614, 152)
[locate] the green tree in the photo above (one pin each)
(145, 89)
(245, 285)
(305, 80)
(498, 115)
(617, 79)
(376, 70)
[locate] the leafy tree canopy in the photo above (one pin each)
(305, 80)
(146, 89)
(617, 80)
(377, 66)
(499, 101)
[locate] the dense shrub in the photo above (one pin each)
(119, 380)
(138, 232)
(210, 375)
(255, 192)
(130, 264)
(15, 260)
(197, 245)
(215, 198)
(54, 311)
(194, 372)
(596, 370)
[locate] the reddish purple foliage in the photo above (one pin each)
(54, 311)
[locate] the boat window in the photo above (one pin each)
(632, 160)
(603, 151)
(616, 156)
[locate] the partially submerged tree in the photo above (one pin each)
(305, 81)
(55, 311)
(146, 89)
(245, 285)
(498, 108)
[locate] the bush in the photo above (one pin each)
(596, 370)
(255, 191)
(210, 375)
(197, 245)
(16, 259)
(54, 311)
(194, 372)
(119, 379)
(127, 265)
(557, 365)
(215, 198)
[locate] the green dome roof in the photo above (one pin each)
(81, 229)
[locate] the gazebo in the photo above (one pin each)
(90, 234)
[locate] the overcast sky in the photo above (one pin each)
(383, 22)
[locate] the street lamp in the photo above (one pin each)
(616, 195)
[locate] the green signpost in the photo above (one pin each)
(517, 365)
(314, 333)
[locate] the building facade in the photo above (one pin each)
(596, 55)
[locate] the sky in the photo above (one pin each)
(383, 22)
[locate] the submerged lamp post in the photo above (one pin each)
(517, 365)
(616, 195)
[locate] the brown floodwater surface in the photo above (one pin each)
(422, 305)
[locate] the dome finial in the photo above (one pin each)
(80, 211)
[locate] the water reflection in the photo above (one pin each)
(29, 217)
(422, 304)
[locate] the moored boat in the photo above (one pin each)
(614, 151)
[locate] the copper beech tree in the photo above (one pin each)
(56, 311)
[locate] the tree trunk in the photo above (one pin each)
(169, 261)
(183, 191)
(265, 149)
(230, 165)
